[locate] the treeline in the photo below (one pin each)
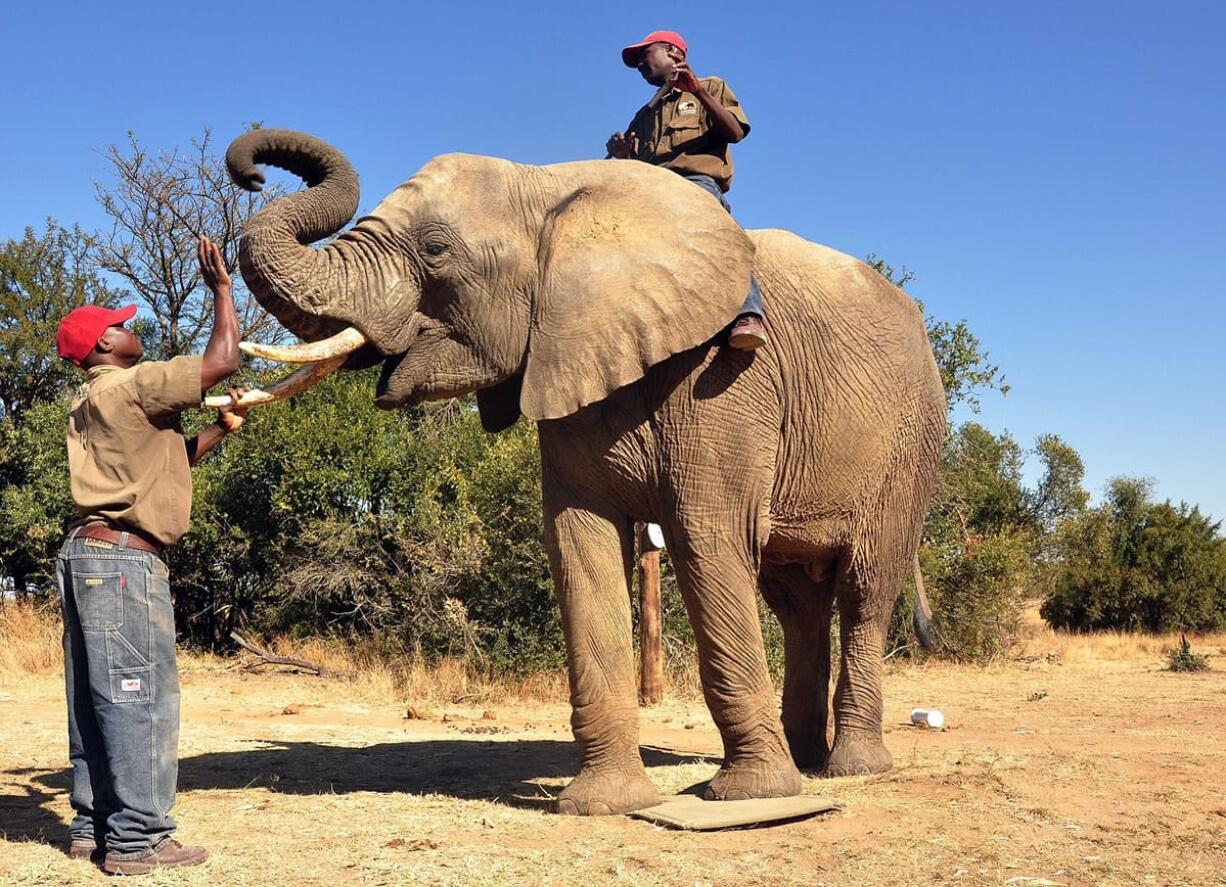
(418, 529)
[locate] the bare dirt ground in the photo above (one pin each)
(1082, 762)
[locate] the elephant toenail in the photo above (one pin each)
(567, 807)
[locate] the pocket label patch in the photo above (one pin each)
(130, 685)
(93, 581)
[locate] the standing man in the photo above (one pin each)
(131, 485)
(687, 127)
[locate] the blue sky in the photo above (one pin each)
(1052, 171)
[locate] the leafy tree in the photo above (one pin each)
(1059, 494)
(1134, 564)
(35, 501)
(43, 276)
(987, 542)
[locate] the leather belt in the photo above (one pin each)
(105, 534)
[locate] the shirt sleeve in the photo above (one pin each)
(169, 386)
(723, 93)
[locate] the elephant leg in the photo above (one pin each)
(590, 558)
(866, 592)
(717, 579)
(803, 607)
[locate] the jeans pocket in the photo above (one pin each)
(99, 598)
(130, 671)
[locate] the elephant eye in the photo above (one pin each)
(436, 247)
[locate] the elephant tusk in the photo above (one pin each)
(345, 342)
(297, 381)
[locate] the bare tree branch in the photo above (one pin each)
(160, 205)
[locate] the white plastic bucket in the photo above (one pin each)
(928, 717)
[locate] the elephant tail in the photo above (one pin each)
(921, 617)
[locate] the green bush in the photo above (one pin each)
(328, 515)
(1136, 565)
(1183, 659)
(977, 590)
(35, 498)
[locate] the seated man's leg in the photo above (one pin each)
(747, 331)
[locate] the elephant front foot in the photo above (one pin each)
(607, 792)
(749, 778)
(857, 753)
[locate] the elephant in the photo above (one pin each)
(590, 297)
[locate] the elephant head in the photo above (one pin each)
(547, 288)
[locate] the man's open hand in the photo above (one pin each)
(212, 266)
(623, 146)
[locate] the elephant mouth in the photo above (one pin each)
(349, 349)
(386, 396)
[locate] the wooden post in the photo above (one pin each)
(651, 646)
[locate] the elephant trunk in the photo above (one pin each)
(311, 292)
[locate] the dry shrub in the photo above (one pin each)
(30, 639)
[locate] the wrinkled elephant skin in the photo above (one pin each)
(590, 297)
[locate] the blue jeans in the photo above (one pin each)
(122, 686)
(753, 299)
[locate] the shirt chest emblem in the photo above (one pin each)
(687, 108)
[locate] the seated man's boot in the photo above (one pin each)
(747, 333)
(170, 854)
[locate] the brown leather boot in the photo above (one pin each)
(169, 855)
(747, 333)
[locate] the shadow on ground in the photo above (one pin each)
(28, 816)
(505, 772)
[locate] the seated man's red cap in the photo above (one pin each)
(630, 55)
(80, 331)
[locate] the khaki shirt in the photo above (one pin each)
(674, 132)
(127, 458)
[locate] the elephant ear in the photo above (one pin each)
(637, 264)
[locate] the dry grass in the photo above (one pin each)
(376, 675)
(29, 640)
(1082, 761)
(30, 645)
(1037, 638)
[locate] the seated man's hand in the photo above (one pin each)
(622, 145)
(683, 78)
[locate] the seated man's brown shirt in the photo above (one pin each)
(674, 131)
(127, 456)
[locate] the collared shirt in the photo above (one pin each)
(674, 131)
(127, 458)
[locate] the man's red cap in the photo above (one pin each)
(80, 331)
(630, 55)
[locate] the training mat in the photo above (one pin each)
(693, 813)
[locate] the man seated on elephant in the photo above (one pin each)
(687, 127)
